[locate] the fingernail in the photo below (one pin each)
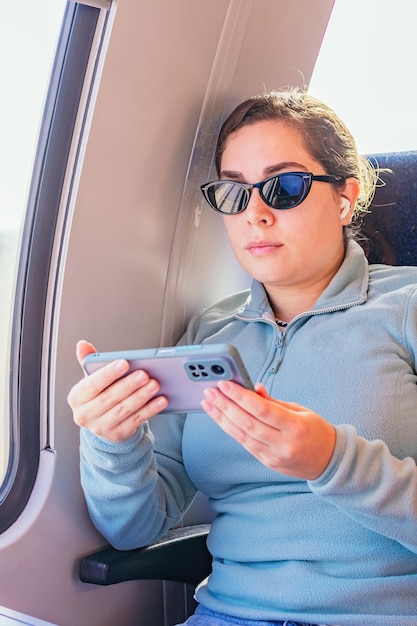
(120, 365)
(206, 406)
(152, 385)
(140, 377)
(210, 393)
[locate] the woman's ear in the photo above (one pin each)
(349, 196)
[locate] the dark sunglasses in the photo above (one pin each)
(282, 191)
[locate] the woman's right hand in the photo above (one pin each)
(110, 404)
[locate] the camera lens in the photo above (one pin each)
(217, 369)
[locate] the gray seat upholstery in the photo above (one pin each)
(392, 224)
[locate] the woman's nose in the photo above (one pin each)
(257, 210)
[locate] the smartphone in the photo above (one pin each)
(183, 372)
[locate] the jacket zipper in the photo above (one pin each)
(281, 335)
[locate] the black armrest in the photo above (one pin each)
(181, 556)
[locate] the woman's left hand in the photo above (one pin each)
(284, 436)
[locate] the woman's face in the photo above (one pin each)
(298, 248)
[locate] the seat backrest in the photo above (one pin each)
(391, 227)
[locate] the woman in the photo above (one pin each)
(313, 476)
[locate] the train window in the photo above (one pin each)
(45, 53)
(365, 72)
(29, 38)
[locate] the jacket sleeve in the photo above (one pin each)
(371, 486)
(135, 494)
(138, 489)
(365, 480)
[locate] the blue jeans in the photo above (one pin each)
(205, 617)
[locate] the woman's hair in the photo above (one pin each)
(325, 136)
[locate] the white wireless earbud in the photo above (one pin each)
(344, 209)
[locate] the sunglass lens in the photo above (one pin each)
(227, 197)
(285, 190)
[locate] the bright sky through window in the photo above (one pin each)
(28, 37)
(366, 72)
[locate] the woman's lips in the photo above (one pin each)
(262, 248)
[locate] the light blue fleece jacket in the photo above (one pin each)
(341, 549)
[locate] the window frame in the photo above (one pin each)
(36, 248)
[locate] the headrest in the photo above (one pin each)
(392, 224)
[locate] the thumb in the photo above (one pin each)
(261, 391)
(84, 348)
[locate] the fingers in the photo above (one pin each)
(268, 410)
(236, 415)
(123, 419)
(112, 403)
(92, 385)
(125, 395)
(258, 404)
(117, 410)
(286, 437)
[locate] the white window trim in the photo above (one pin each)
(98, 4)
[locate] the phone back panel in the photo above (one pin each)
(183, 372)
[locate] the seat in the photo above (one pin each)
(182, 556)
(391, 226)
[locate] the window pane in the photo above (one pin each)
(28, 37)
(365, 72)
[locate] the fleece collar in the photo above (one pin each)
(349, 287)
